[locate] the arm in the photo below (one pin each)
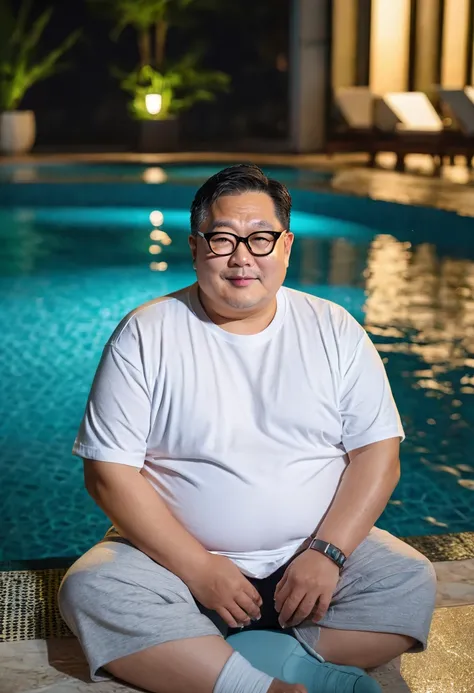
(366, 486)
(143, 518)
(371, 432)
(112, 441)
(134, 507)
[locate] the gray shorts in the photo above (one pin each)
(118, 601)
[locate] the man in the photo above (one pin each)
(228, 425)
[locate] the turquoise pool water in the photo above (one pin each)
(132, 172)
(69, 273)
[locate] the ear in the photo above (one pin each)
(192, 245)
(289, 238)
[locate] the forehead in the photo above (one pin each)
(248, 205)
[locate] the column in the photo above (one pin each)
(309, 74)
(455, 35)
(344, 43)
(389, 45)
(426, 45)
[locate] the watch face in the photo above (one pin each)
(335, 554)
(329, 550)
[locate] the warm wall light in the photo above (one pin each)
(153, 103)
(156, 218)
(455, 38)
(158, 266)
(155, 249)
(344, 43)
(426, 44)
(389, 45)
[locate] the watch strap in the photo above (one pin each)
(329, 550)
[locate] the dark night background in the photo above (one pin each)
(84, 106)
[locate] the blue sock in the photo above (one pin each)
(283, 657)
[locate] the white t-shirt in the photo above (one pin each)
(244, 436)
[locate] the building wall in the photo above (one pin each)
(412, 44)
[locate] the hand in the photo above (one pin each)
(219, 585)
(306, 588)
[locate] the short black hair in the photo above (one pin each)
(235, 180)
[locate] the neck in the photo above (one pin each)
(243, 323)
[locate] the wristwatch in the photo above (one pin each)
(330, 551)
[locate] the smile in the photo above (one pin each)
(241, 281)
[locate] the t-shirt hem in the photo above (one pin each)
(353, 442)
(108, 455)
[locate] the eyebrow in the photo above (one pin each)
(229, 223)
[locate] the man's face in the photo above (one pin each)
(241, 282)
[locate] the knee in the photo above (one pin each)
(426, 572)
(75, 594)
(423, 579)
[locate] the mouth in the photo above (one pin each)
(241, 281)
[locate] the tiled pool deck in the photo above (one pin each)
(55, 664)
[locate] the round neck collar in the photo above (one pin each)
(241, 339)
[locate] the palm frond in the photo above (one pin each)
(19, 69)
(31, 39)
(21, 21)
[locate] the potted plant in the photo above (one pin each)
(20, 69)
(160, 89)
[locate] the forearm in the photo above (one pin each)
(366, 486)
(142, 516)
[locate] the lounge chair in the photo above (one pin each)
(405, 123)
(354, 108)
(459, 105)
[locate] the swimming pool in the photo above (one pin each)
(75, 259)
(144, 173)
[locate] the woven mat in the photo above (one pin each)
(28, 605)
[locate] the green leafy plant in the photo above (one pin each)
(180, 88)
(180, 84)
(20, 66)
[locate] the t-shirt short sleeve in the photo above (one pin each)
(368, 410)
(116, 423)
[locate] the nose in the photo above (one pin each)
(241, 256)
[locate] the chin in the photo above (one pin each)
(243, 299)
(241, 304)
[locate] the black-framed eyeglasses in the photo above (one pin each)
(259, 243)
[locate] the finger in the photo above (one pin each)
(282, 595)
(322, 606)
(248, 605)
(303, 611)
(242, 618)
(227, 617)
(280, 585)
(289, 607)
(251, 592)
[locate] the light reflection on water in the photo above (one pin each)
(67, 278)
(420, 312)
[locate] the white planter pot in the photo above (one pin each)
(17, 131)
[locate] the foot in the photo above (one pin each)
(282, 657)
(278, 686)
